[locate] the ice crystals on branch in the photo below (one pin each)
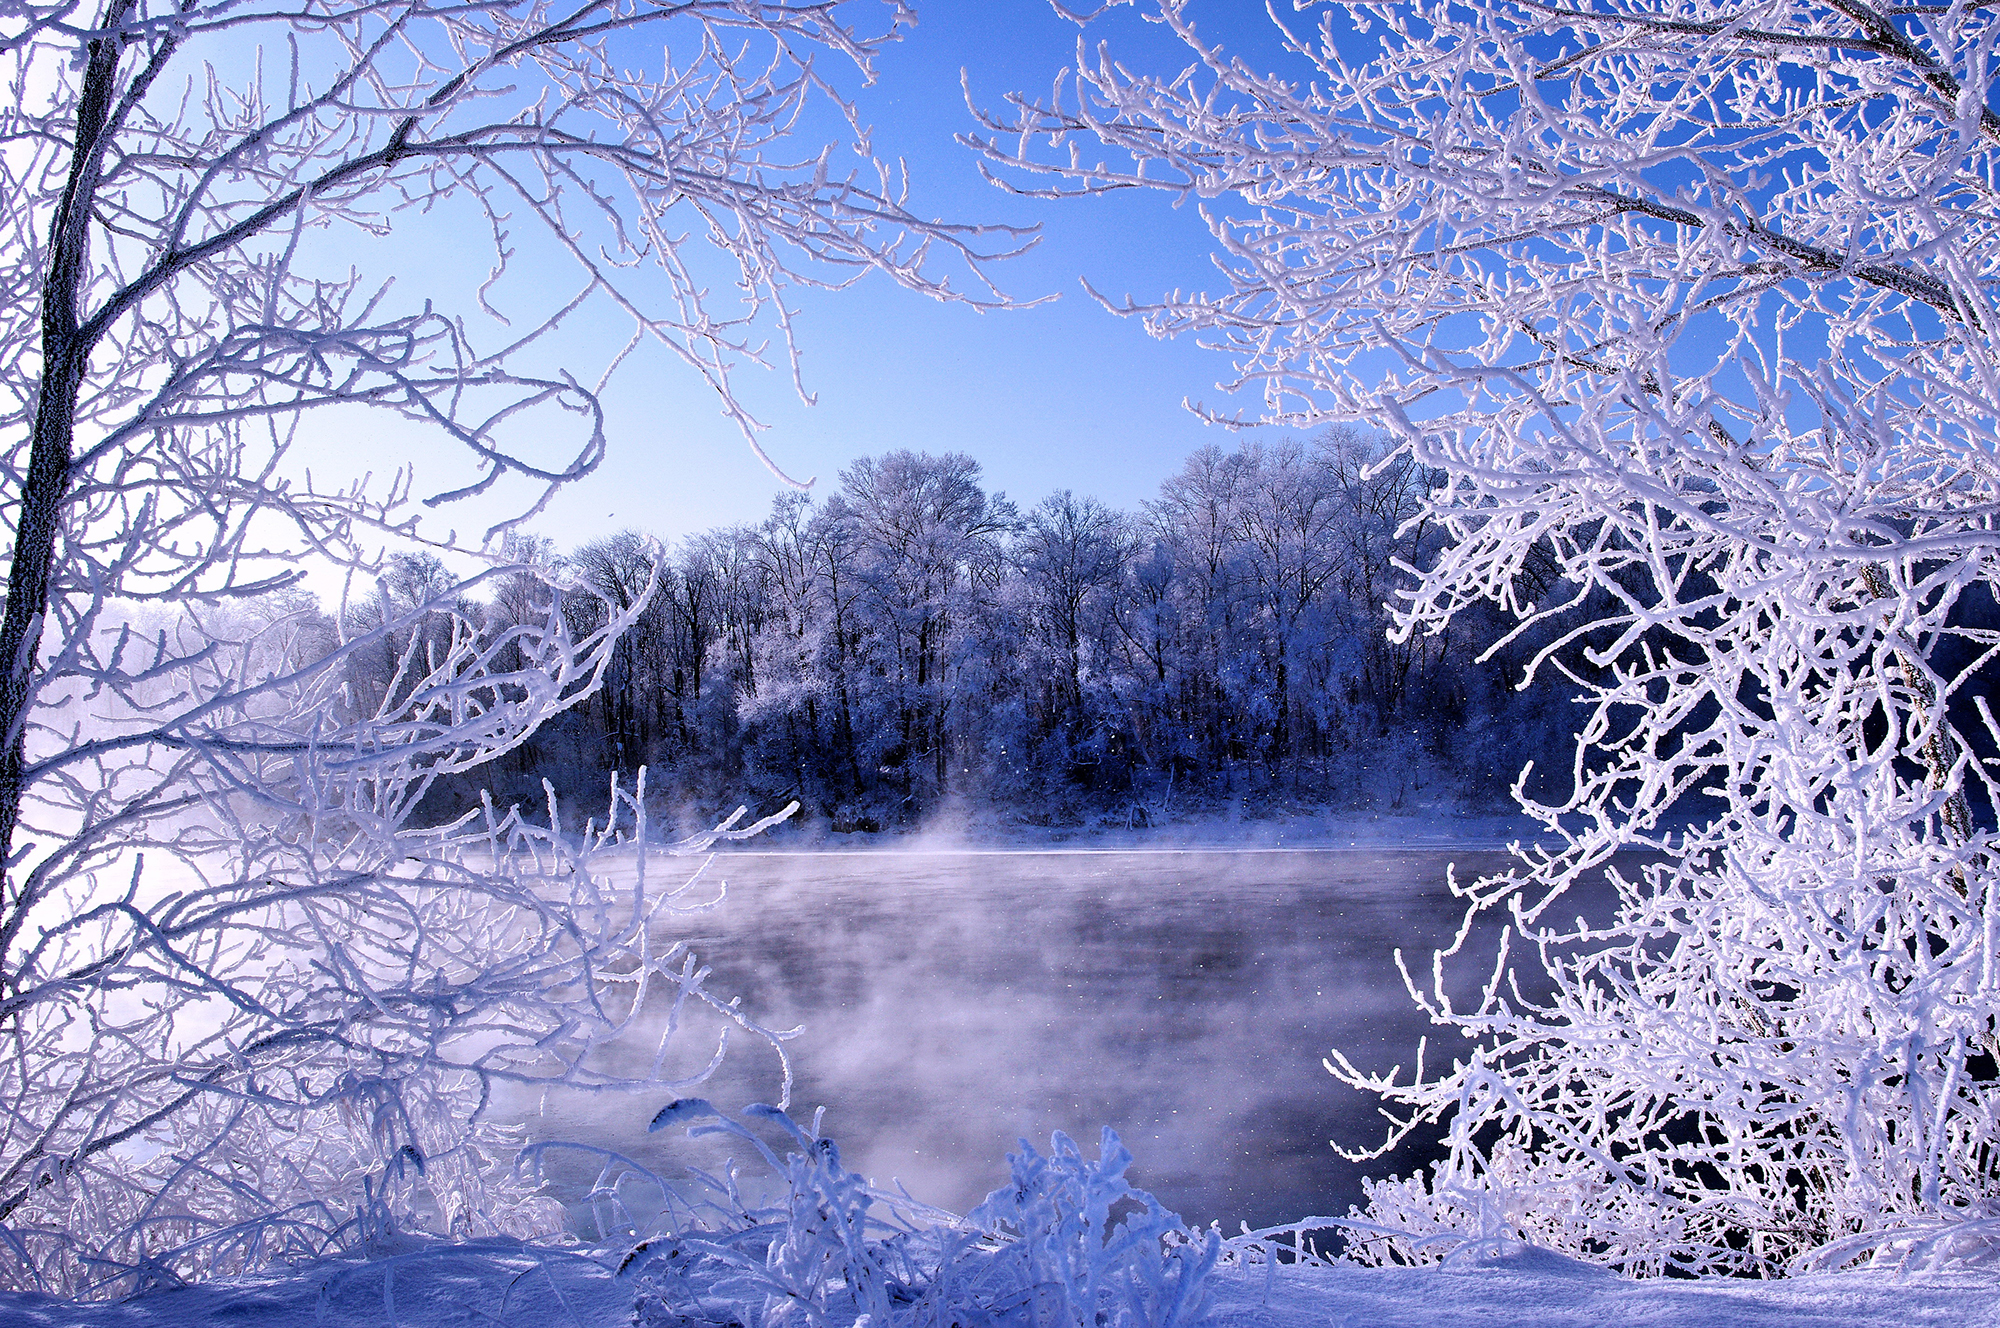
(1067, 1243)
(255, 986)
(1694, 303)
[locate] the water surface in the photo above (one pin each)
(955, 1002)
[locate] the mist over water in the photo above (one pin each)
(956, 1002)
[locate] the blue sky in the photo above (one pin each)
(1064, 395)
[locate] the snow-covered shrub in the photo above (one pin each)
(1067, 1243)
(1093, 1249)
(282, 1031)
(1694, 304)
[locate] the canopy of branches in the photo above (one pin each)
(1693, 301)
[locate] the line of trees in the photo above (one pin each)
(914, 640)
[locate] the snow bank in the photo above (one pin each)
(419, 1286)
(1534, 1287)
(491, 1285)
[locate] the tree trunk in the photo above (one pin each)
(65, 355)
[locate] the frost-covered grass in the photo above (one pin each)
(1065, 1243)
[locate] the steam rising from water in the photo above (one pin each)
(954, 1002)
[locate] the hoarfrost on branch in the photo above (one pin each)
(254, 1002)
(1693, 302)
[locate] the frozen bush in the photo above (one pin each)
(253, 993)
(1067, 1243)
(1693, 307)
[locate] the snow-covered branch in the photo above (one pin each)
(1695, 301)
(259, 969)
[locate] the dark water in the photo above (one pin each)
(953, 1003)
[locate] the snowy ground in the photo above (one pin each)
(474, 1286)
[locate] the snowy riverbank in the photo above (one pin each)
(444, 1287)
(1441, 826)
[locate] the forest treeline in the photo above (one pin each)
(912, 640)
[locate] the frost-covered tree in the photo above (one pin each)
(1288, 509)
(1070, 555)
(250, 1006)
(802, 712)
(1694, 304)
(926, 540)
(1194, 520)
(622, 572)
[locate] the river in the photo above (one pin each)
(954, 1002)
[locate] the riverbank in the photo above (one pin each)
(1425, 827)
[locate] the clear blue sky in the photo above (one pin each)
(1061, 396)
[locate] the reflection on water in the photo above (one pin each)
(955, 1002)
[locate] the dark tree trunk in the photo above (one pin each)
(65, 355)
